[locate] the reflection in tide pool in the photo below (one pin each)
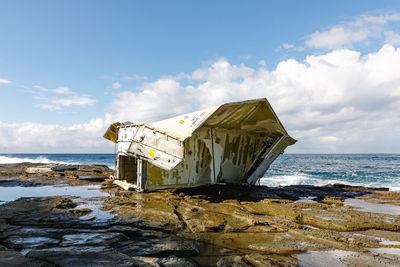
(324, 258)
(372, 207)
(11, 193)
(95, 205)
(89, 196)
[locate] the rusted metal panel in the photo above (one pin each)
(112, 132)
(253, 116)
(196, 168)
(265, 158)
(234, 143)
(158, 148)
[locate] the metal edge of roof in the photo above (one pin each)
(277, 118)
(256, 100)
(182, 135)
(228, 104)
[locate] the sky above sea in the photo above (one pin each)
(68, 69)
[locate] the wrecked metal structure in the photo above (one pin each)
(232, 143)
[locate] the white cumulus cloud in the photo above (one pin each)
(47, 100)
(58, 103)
(340, 94)
(347, 33)
(61, 90)
(36, 137)
(337, 37)
(392, 38)
(4, 81)
(340, 101)
(58, 90)
(116, 85)
(134, 77)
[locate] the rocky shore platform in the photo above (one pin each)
(95, 223)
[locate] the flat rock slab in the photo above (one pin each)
(92, 239)
(82, 256)
(49, 234)
(159, 248)
(51, 168)
(54, 173)
(175, 261)
(39, 170)
(218, 225)
(13, 258)
(31, 242)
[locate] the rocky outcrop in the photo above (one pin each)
(37, 173)
(46, 232)
(219, 225)
(260, 221)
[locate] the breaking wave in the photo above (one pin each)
(371, 170)
(303, 179)
(10, 160)
(296, 179)
(87, 159)
(374, 170)
(37, 159)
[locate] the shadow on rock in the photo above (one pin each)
(221, 192)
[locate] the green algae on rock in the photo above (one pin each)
(260, 220)
(219, 225)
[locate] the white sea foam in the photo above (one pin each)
(300, 178)
(39, 159)
(294, 179)
(283, 180)
(45, 160)
(395, 188)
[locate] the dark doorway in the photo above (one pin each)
(127, 169)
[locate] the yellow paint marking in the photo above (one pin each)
(152, 152)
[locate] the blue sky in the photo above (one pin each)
(67, 66)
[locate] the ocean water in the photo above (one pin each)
(105, 159)
(288, 169)
(320, 169)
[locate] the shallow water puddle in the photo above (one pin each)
(90, 197)
(372, 207)
(391, 254)
(95, 205)
(381, 240)
(306, 200)
(11, 193)
(324, 258)
(388, 242)
(387, 251)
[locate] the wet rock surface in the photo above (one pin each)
(261, 226)
(219, 225)
(46, 232)
(20, 174)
